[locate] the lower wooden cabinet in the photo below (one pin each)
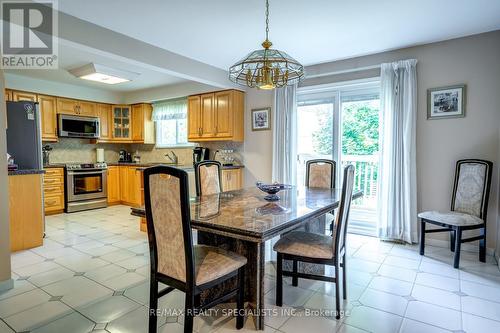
(113, 183)
(53, 190)
(26, 220)
(232, 179)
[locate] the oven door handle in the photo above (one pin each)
(72, 173)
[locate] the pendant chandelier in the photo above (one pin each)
(266, 68)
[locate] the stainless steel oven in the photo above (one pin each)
(86, 187)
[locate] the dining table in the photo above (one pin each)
(242, 221)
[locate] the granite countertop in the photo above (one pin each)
(54, 165)
(180, 166)
(26, 172)
(244, 214)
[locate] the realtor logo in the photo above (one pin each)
(29, 35)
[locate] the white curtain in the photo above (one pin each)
(285, 135)
(170, 109)
(397, 177)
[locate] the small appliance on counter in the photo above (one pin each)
(11, 166)
(46, 154)
(125, 157)
(226, 157)
(200, 154)
(99, 155)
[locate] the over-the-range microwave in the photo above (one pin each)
(78, 127)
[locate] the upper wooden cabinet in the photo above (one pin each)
(216, 116)
(121, 123)
(48, 111)
(105, 121)
(8, 95)
(143, 129)
(23, 96)
(76, 107)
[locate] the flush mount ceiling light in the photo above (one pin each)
(103, 74)
(267, 68)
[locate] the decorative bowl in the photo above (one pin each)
(271, 190)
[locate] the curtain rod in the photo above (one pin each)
(358, 69)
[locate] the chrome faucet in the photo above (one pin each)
(173, 158)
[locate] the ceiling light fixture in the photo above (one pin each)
(103, 74)
(267, 68)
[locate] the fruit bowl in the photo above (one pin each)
(271, 190)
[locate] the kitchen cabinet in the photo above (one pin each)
(23, 96)
(131, 189)
(53, 190)
(26, 220)
(105, 121)
(124, 190)
(76, 107)
(121, 123)
(232, 179)
(143, 130)
(8, 95)
(113, 183)
(48, 112)
(216, 116)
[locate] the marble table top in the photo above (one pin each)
(244, 214)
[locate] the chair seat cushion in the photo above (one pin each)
(451, 218)
(212, 263)
(305, 244)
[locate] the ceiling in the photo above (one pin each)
(71, 57)
(220, 32)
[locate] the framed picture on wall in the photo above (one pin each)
(446, 102)
(261, 119)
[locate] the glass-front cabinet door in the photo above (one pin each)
(121, 122)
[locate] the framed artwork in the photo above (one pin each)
(446, 102)
(261, 119)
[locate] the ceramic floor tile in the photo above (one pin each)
(37, 316)
(36, 268)
(292, 296)
(389, 285)
(350, 329)
(476, 324)
(4, 328)
(23, 302)
(132, 322)
(20, 286)
(384, 301)
(373, 320)
(133, 262)
(74, 323)
(439, 269)
(434, 315)
(54, 275)
(109, 309)
(437, 281)
(118, 255)
(104, 273)
(124, 281)
(309, 324)
(399, 273)
(78, 291)
(480, 290)
(435, 296)
(481, 278)
(481, 307)
(412, 326)
(402, 262)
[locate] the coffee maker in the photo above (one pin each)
(125, 157)
(200, 154)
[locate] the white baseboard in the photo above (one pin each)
(464, 247)
(6, 285)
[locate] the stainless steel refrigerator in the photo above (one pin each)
(24, 137)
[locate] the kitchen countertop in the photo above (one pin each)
(54, 165)
(180, 166)
(26, 172)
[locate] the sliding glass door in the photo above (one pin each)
(342, 123)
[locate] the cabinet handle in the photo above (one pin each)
(199, 130)
(52, 202)
(216, 130)
(49, 181)
(51, 189)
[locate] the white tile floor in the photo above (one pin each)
(92, 275)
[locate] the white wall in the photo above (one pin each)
(258, 146)
(5, 273)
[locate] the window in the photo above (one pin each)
(171, 123)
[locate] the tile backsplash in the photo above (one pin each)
(69, 150)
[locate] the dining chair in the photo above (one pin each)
(301, 246)
(320, 173)
(175, 261)
(469, 205)
(208, 176)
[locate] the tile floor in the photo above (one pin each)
(91, 275)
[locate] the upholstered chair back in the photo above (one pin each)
(320, 173)
(342, 217)
(208, 177)
(472, 186)
(168, 220)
